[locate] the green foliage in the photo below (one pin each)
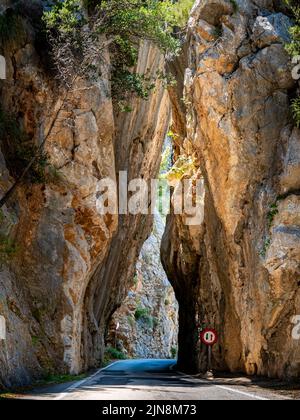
(295, 106)
(181, 12)
(8, 248)
(35, 341)
(174, 352)
(64, 15)
(125, 83)
(265, 248)
(19, 151)
(125, 23)
(144, 19)
(112, 353)
(293, 47)
(144, 315)
(272, 213)
(50, 379)
(141, 313)
(234, 5)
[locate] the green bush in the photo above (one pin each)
(272, 213)
(294, 46)
(181, 12)
(144, 315)
(112, 353)
(296, 111)
(174, 352)
(265, 247)
(124, 23)
(141, 313)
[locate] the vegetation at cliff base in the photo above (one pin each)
(174, 352)
(113, 354)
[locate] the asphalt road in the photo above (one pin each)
(151, 380)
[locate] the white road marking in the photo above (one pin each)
(225, 388)
(246, 394)
(84, 381)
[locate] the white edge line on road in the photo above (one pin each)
(82, 382)
(246, 394)
(225, 388)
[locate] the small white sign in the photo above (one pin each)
(2, 68)
(2, 328)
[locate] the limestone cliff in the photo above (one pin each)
(239, 271)
(147, 318)
(65, 277)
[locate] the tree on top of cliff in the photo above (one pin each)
(79, 32)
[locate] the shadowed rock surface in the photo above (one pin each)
(239, 271)
(73, 265)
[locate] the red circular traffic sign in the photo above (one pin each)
(209, 336)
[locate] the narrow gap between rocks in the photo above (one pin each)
(146, 324)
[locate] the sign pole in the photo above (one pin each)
(209, 337)
(209, 358)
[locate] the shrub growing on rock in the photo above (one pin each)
(81, 31)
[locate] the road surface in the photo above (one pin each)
(152, 380)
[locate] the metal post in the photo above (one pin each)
(209, 358)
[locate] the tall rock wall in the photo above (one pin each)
(65, 276)
(138, 143)
(239, 271)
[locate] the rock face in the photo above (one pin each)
(239, 271)
(138, 143)
(148, 324)
(66, 277)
